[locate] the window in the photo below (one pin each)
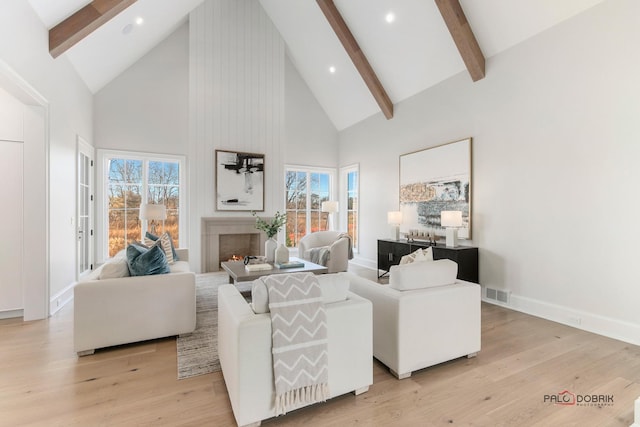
(305, 190)
(131, 180)
(349, 183)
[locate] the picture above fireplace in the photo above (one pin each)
(239, 181)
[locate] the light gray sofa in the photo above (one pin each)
(123, 310)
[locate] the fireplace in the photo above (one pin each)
(223, 237)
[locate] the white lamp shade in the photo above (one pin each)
(329, 206)
(451, 218)
(150, 211)
(394, 217)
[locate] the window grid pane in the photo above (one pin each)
(125, 190)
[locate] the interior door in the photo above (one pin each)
(85, 211)
(11, 226)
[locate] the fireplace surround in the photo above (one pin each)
(218, 240)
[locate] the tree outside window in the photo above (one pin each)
(132, 182)
(305, 190)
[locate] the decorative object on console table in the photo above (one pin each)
(394, 218)
(271, 230)
(152, 212)
(390, 252)
(451, 220)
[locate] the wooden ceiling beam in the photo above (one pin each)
(357, 56)
(82, 23)
(463, 37)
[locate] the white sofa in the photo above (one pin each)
(123, 310)
(244, 348)
(337, 243)
(427, 323)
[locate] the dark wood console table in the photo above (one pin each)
(390, 252)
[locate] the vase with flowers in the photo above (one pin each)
(271, 229)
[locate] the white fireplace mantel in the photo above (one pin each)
(213, 227)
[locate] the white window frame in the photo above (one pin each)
(309, 170)
(344, 202)
(102, 182)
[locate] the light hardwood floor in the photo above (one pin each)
(523, 358)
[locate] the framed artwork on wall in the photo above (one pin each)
(434, 180)
(239, 181)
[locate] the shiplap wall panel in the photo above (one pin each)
(236, 100)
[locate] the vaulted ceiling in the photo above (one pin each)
(408, 55)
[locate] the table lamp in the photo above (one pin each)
(331, 207)
(394, 218)
(451, 220)
(152, 212)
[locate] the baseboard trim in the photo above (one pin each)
(10, 314)
(61, 299)
(601, 325)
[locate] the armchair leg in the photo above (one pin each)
(400, 376)
(360, 390)
(86, 352)
(469, 356)
(256, 424)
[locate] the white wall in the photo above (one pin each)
(555, 155)
(24, 48)
(236, 101)
(146, 108)
(311, 138)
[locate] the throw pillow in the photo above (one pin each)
(144, 262)
(420, 275)
(114, 269)
(418, 255)
(165, 242)
(153, 238)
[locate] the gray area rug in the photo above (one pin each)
(198, 352)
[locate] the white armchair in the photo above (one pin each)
(427, 323)
(334, 244)
(244, 346)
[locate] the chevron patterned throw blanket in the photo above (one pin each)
(299, 336)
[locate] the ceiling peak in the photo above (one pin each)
(357, 56)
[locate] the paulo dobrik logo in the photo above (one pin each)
(566, 398)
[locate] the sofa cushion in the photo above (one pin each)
(419, 275)
(145, 261)
(114, 268)
(179, 267)
(334, 288)
(419, 255)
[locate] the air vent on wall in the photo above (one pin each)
(497, 295)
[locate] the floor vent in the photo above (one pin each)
(497, 295)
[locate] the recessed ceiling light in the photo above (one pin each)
(332, 69)
(390, 17)
(139, 21)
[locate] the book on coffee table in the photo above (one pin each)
(289, 264)
(258, 267)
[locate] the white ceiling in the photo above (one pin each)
(409, 55)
